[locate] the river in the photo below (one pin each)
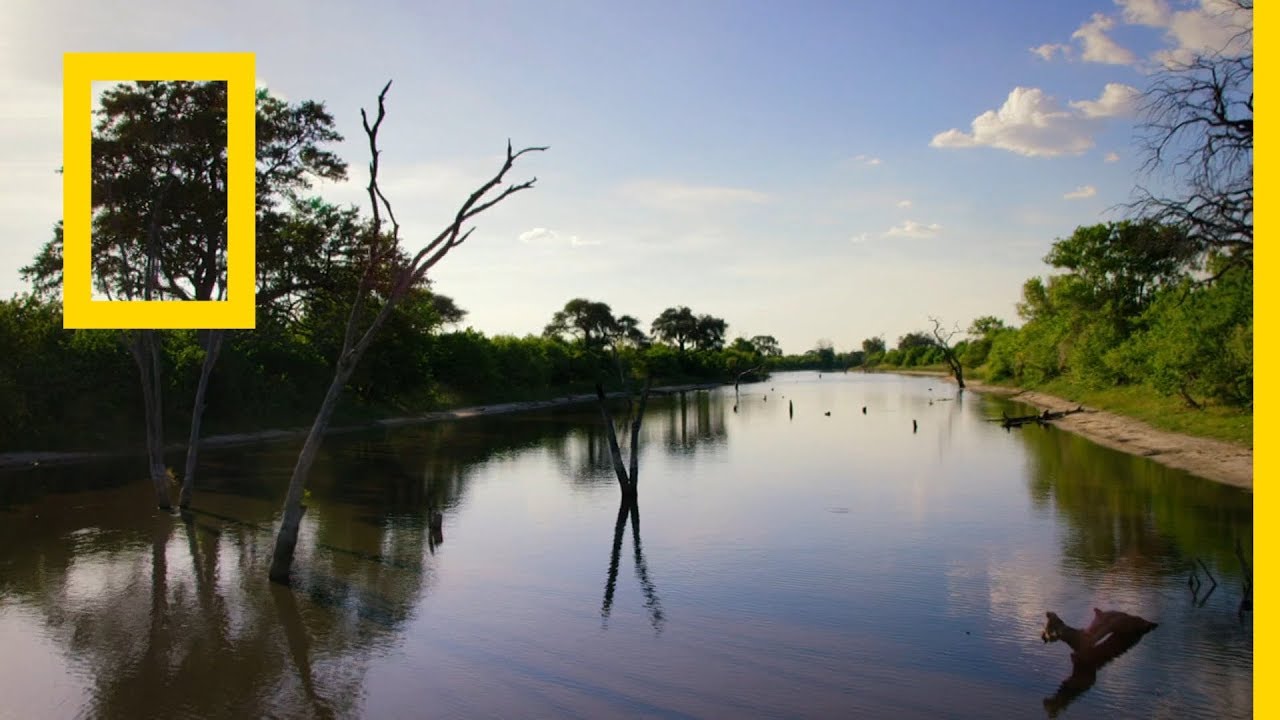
(841, 565)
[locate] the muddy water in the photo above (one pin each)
(821, 566)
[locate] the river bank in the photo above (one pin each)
(1215, 460)
(15, 460)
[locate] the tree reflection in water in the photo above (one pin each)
(651, 601)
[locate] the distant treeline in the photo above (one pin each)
(63, 389)
(1131, 303)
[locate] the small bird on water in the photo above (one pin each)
(827, 413)
(914, 426)
(864, 409)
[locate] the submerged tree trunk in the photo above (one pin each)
(146, 354)
(627, 480)
(406, 273)
(291, 522)
(212, 346)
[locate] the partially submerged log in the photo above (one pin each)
(1043, 418)
(1111, 634)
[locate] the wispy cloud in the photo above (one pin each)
(1111, 157)
(1082, 192)
(546, 237)
(672, 195)
(1048, 50)
(904, 203)
(913, 229)
(867, 160)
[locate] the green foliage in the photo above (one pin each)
(1128, 313)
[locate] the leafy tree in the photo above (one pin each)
(767, 345)
(1123, 264)
(915, 340)
(676, 325)
(709, 333)
(826, 354)
(590, 323)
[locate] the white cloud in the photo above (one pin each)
(913, 229)
(904, 203)
(670, 195)
(1152, 13)
(546, 237)
(1082, 192)
(867, 160)
(1029, 123)
(1048, 50)
(1214, 26)
(1111, 157)
(859, 239)
(1098, 47)
(1117, 100)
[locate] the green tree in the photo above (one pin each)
(677, 325)
(767, 345)
(708, 333)
(588, 322)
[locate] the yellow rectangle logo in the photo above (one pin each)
(80, 310)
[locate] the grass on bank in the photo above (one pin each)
(1215, 421)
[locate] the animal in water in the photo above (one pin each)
(864, 409)
(791, 409)
(827, 413)
(914, 427)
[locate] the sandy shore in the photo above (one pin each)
(1216, 460)
(33, 459)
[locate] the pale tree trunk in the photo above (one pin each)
(146, 354)
(212, 346)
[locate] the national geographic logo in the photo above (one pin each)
(80, 309)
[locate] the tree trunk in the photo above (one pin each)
(146, 354)
(291, 521)
(212, 346)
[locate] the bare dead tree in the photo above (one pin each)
(1197, 131)
(384, 260)
(943, 339)
(635, 415)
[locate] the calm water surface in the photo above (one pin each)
(821, 566)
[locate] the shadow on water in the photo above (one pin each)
(631, 510)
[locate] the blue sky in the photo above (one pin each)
(786, 166)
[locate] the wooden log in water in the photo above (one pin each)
(1042, 418)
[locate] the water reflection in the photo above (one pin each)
(763, 589)
(1128, 516)
(631, 510)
